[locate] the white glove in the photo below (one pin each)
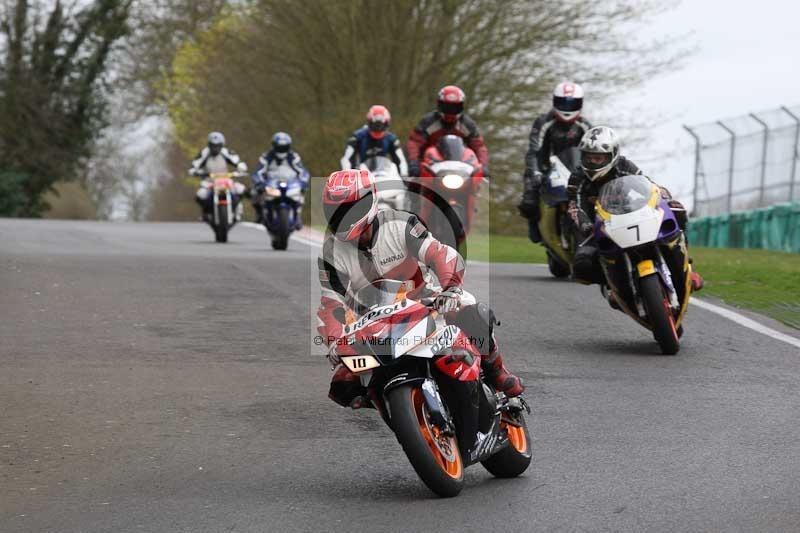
(448, 300)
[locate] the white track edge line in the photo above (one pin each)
(749, 323)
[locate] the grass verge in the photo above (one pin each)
(760, 280)
(504, 249)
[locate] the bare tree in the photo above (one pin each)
(313, 68)
(52, 94)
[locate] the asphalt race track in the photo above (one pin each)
(152, 380)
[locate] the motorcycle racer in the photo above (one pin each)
(374, 140)
(213, 159)
(281, 155)
(560, 128)
(601, 162)
(363, 244)
(448, 119)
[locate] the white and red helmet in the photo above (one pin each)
(450, 103)
(378, 121)
(568, 101)
(350, 203)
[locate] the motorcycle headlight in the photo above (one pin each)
(453, 181)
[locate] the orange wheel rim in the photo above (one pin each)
(450, 459)
(668, 309)
(517, 438)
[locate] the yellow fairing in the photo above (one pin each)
(548, 223)
(646, 268)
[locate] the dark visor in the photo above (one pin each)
(378, 125)
(595, 160)
(567, 103)
(342, 217)
(282, 148)
(451, 108)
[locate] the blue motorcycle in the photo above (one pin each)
(284, 195)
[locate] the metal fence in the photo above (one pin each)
(746, 162)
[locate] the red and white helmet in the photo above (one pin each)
(568, 101)
(378, 121)
(350, 203)
(450, 103)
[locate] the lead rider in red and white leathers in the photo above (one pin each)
(362, 245)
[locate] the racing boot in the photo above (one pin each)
(697, 281)
(695, 278)
(499, 376)
(346, 388)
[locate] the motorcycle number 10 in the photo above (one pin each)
(360, 363)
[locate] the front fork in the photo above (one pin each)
(650, 267)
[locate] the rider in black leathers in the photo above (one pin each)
(601, 162)
(560, 128)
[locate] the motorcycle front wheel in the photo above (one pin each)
(280, 241)
(434, 456)
(516, 458)
(221, 230)
(660, 314)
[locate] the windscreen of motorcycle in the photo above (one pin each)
(626, 194)
(570, 157)
(451, 147)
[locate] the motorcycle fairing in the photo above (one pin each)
(554, 184)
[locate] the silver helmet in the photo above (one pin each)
(599, 151)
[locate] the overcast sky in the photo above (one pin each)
(748, 59)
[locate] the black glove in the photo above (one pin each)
(413, 169)
(529, 207)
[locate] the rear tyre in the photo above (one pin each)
(660, 314)
(280, 240)
(515, 459)
(221, 231)
(557, 268)
(435, 458)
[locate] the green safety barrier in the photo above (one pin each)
(772, 228)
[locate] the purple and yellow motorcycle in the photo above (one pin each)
(644, 257)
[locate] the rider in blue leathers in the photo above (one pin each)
(374, 140)
(269, 162)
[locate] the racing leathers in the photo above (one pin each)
(432, 128)
(399, 247)
(271, 163)
(207, 163)
(361, 146)
(548, 136)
